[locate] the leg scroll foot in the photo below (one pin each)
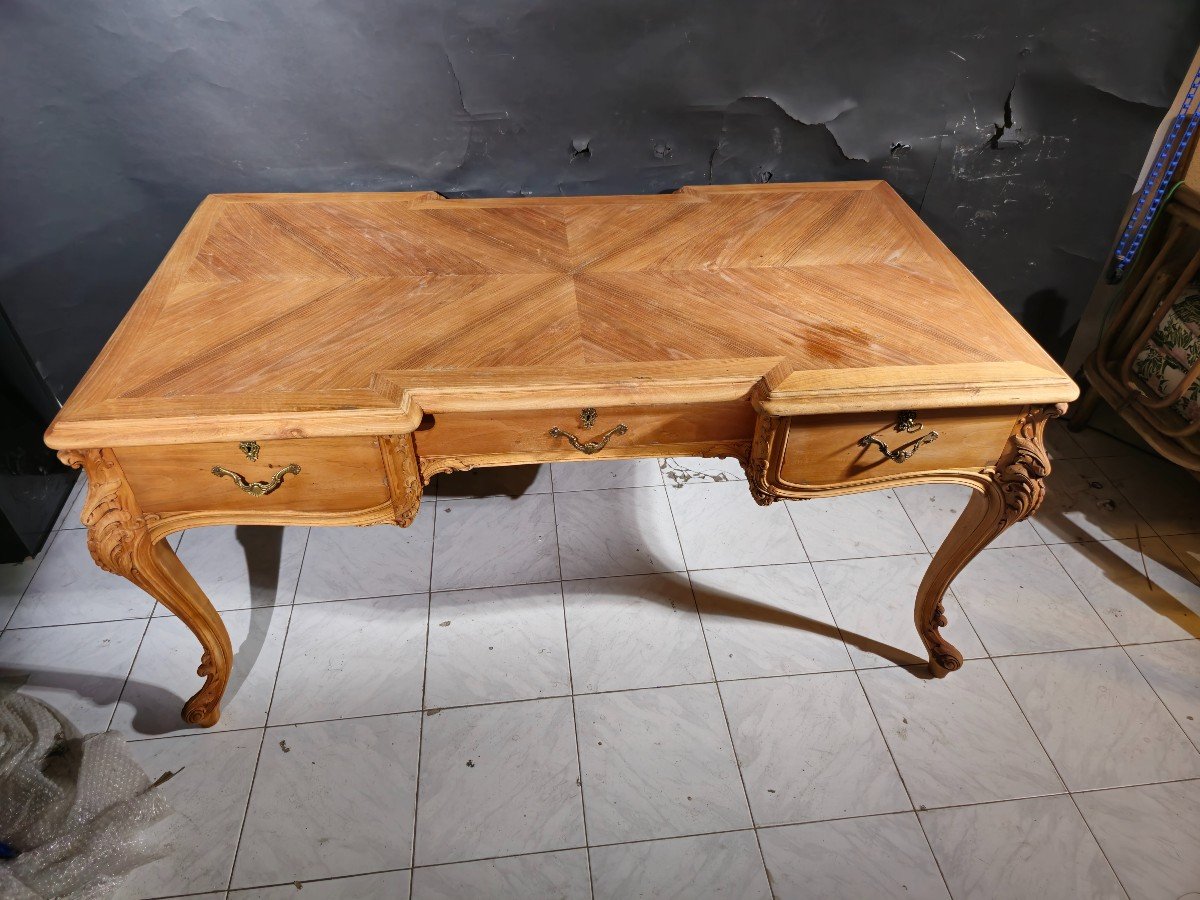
(1010, 492)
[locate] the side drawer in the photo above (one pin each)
(335, 475)
(825, 450)
(649, 431)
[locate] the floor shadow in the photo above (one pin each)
(98, 690)
(722, 603)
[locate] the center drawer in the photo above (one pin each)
(303, 475)
(525, 435)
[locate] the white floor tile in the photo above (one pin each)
(77, 669)
(497, 781)
(682, 470)
(352, 658)
(1187, 548)
(634, 632)
(243, 566)
(767, 620)
(14, 578)
(1018, 850)
(1140, 589)
(727, 866)
(496, 644)
(627, 531)
(494, 481)
(959, 739)
(561, 875)
(872, 602)
(1173, 670)
(381, 561)
(606, 473)
(810, 749)
(1109, 435)
(1021, 601)
(494, 541)
(881, 857)
(720, 526)
(1167, 496)
(164, 674)
(1098, 719)
(934, 508)
(1083, 504)
(72, 513)
(331, 798)
(658, 763)
(1149, 835)
(208, 791)
(872, 523)
(1061, 442)
(70, 588)
(380, 886)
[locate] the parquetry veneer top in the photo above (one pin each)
(287, 314)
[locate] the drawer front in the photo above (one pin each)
(335, 475)
(641, 431)
(825, 450)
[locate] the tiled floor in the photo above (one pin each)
(625, 680)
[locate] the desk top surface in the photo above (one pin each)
(288, 314)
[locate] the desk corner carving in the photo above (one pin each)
(115, 527)
(1022, 472)
(755, 466)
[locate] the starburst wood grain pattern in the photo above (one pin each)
(279, 316)
(316, 359)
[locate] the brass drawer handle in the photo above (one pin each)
(900, 454)
(257, 488)
(588, 447)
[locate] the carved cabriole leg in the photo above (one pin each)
(120, 542)
(1008, 493)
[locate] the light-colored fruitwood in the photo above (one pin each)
(817, 451)
(321, 315)
(120, 542)
(526, 434)
(374, 340)
(336, 475)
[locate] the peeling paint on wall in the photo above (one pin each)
(1016, 130)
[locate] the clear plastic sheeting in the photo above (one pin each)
(77, 808)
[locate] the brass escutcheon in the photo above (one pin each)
(257, 488)
(251, 449)
(587, 417)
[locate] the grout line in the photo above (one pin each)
(571, 687)
(128, 674)
(412, 850)
(879, 725)
(737, 760)
(267, 718)
(1157, 696)
(1057, 773)
(1129, 656)
(37, 568)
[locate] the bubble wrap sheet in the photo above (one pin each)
(76, 807)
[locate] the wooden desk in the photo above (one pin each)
(314, 359)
